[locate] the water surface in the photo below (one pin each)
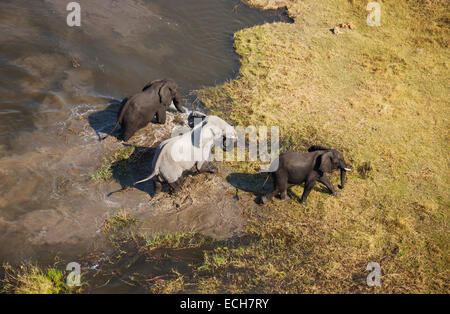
(52, 77)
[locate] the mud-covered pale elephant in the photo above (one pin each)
(179, 154)
(136, 112)
(309, 168)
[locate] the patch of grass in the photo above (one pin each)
(120, 157)
(31, 279)
(380, 96)
(175, 240)
(171, 286)
(119, 222)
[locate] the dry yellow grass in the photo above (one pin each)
(380, 96)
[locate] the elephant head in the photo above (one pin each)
(195, 117)
(168, 92)
(220, 131)
(329, 160)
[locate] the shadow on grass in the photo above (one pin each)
(258, 184)
(262, 183)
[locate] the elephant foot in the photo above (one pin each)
(174, 189)
(209, 168)
(263, 200)
(158, 187)
(303, 202)
(340, 186)
(176, 186)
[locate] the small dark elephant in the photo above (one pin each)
(137, 111)
(296, 168)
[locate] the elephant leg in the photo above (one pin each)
(284, 193)
(157, 186)
(208, 167)
(128, 132)
(161, 115)
(266, 198)
(176, 186)
(308, 187)
(326, 181)
(282, 188)
(277, 180)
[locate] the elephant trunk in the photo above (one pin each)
(343, 173)
(177, 102)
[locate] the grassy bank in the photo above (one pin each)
(380, 96)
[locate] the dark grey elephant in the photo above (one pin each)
(296, 168)
(137, 111)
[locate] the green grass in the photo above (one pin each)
(118, 222)
(378, 95)
(31, 279)
(171, 286)
(175, 240)
(119, 158)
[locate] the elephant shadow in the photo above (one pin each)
(103, 121)
(136, 167)
(262, 183)
(258, 184)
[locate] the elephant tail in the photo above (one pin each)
(156, 162)
(268, 176)
(123, 109)
(155, 173)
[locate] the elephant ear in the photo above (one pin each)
(195, 117)
(215, 131)
(150, 85)
(165, 94)
(210, 130)
(324, 162)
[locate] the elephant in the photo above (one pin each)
(177, 155)
(136, 112)
(296, 168)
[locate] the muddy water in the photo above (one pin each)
(58, 87)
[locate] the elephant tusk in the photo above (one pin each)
(347, 169)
